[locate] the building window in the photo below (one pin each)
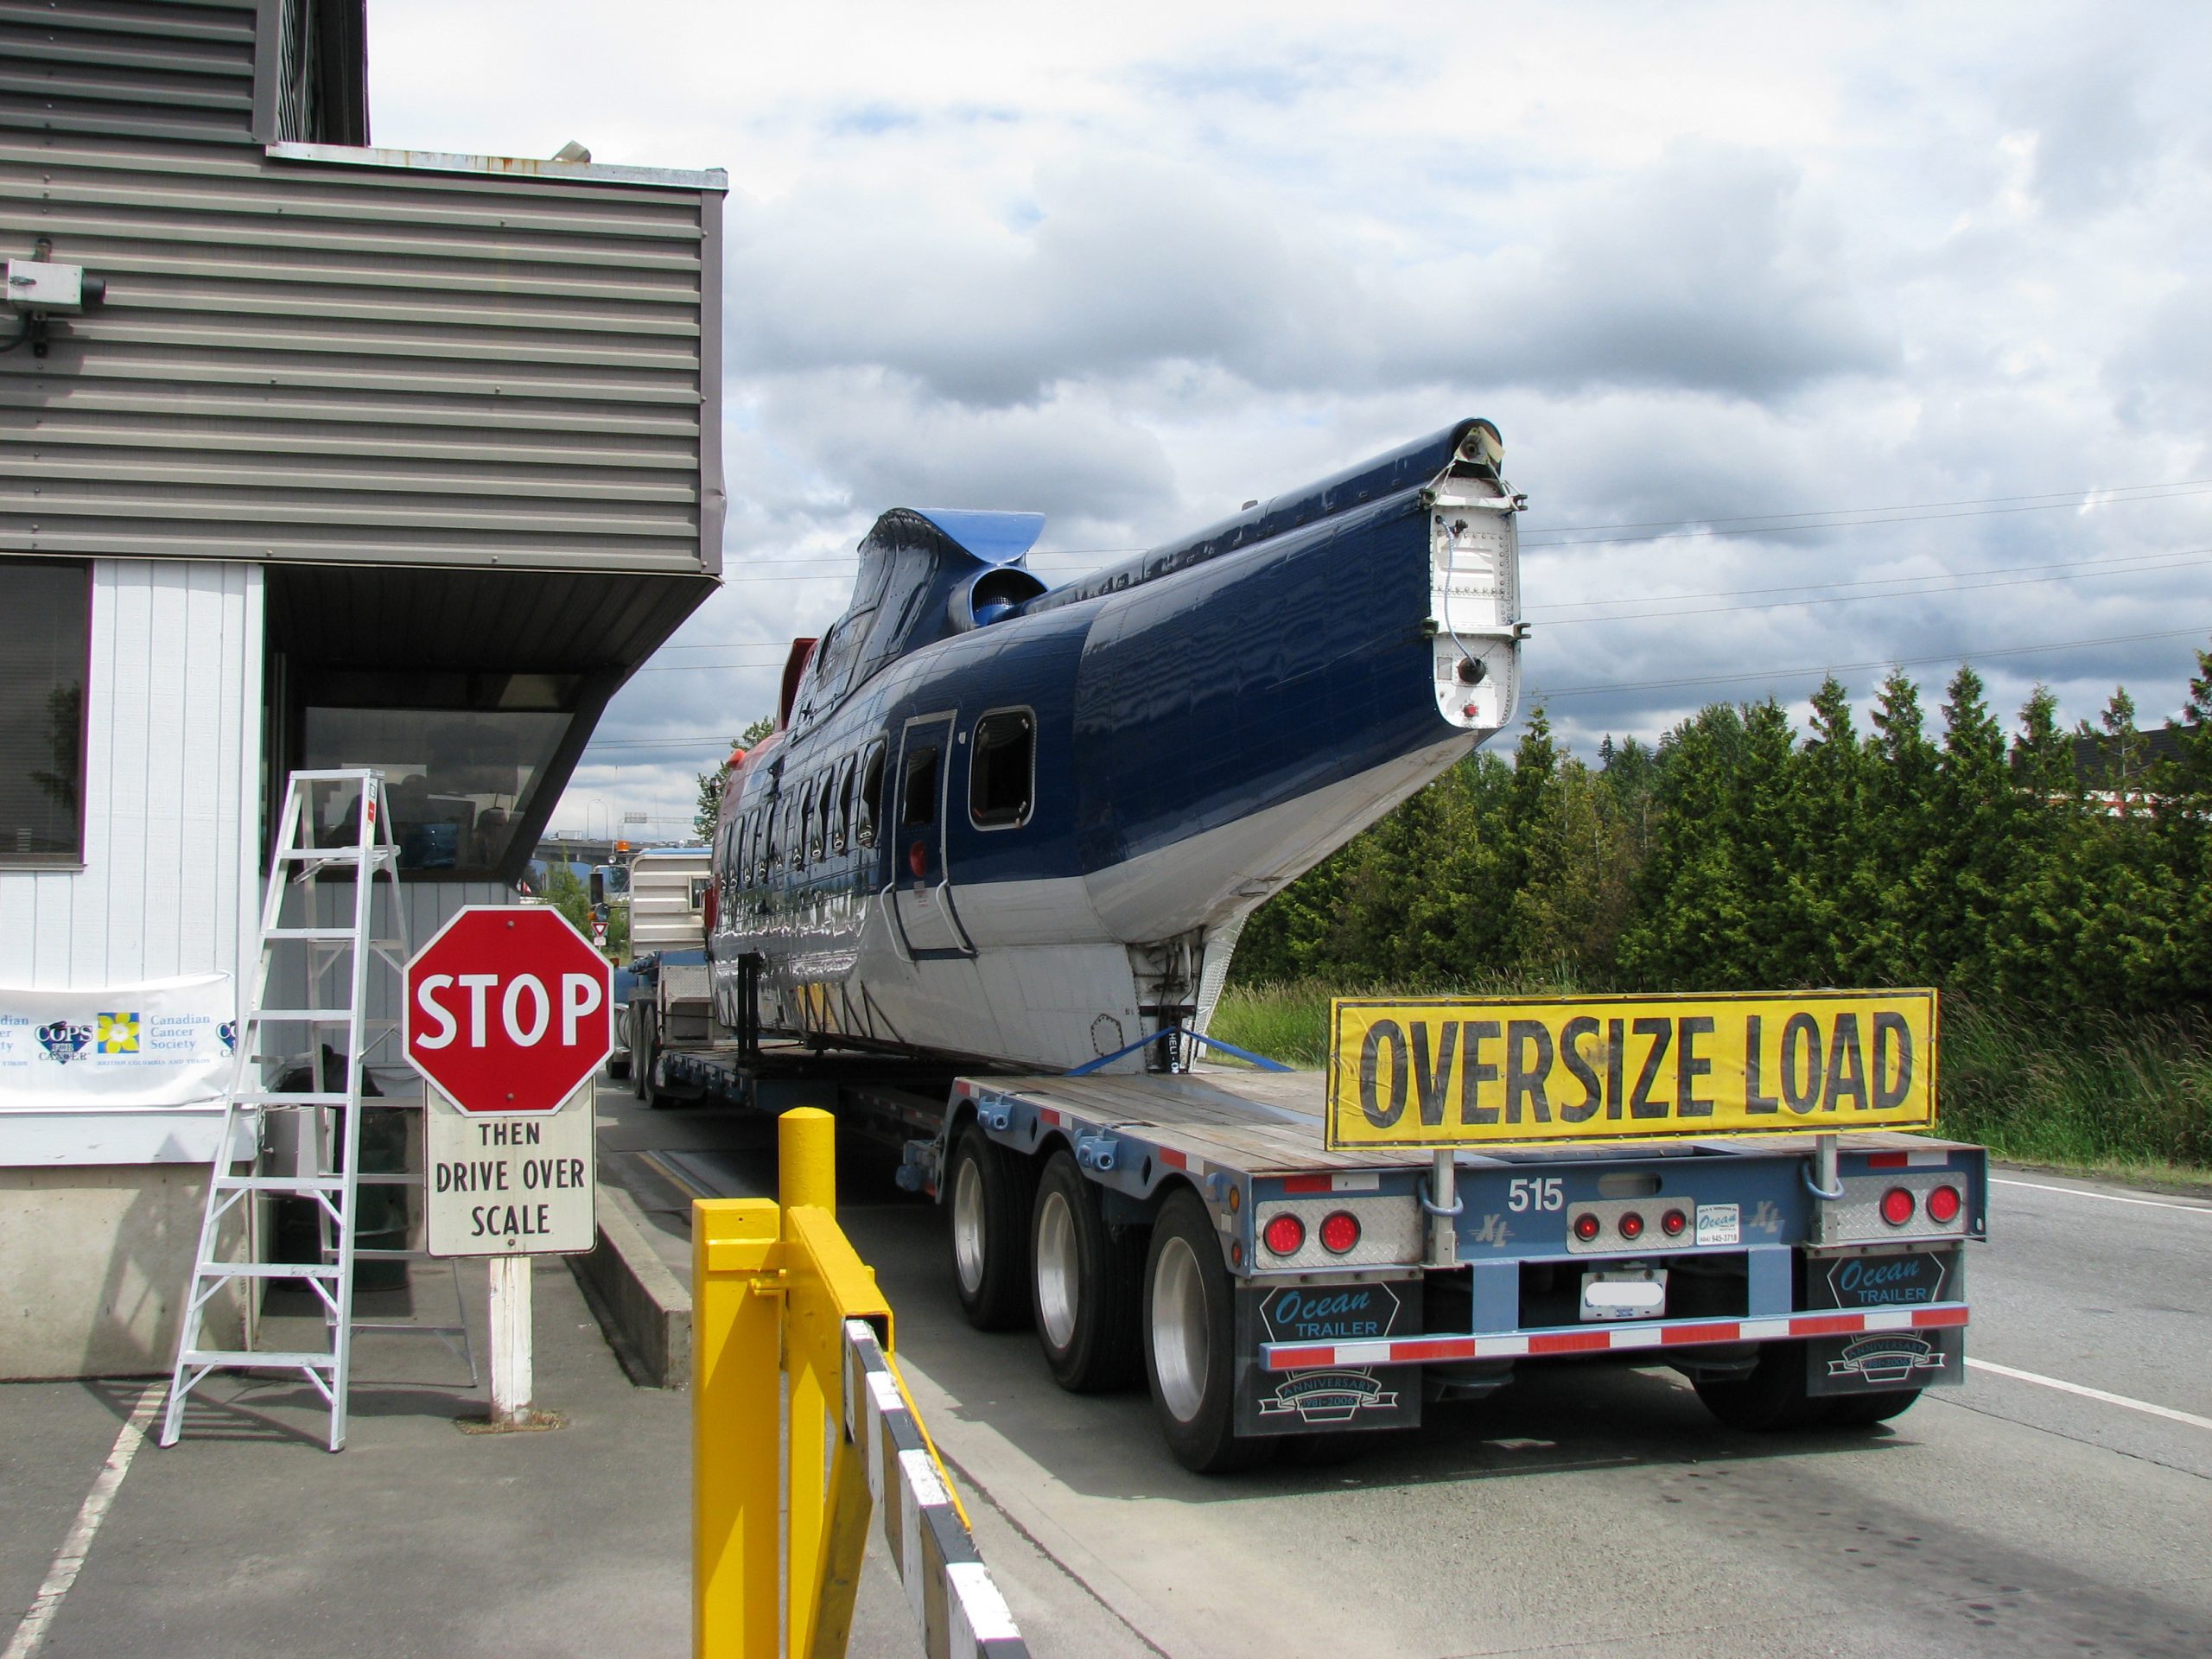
(460, 754)
(44, 645)
(1001, 774)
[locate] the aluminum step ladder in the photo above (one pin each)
(334, 823)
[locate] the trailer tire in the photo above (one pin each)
(1769, 1397)
(1865, 1410)
(1086, 1283)
(1190, 1342)
(987, 1190)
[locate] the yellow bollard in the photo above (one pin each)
(736, 1405)
(806, 1158)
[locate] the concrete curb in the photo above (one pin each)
(644, 1308)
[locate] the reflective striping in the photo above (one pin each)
(1606, 1338)
(957, 1606)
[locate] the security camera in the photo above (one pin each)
(40, 285)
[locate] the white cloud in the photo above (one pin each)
(1132, 266)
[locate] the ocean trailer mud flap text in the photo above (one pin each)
(1326, 1396)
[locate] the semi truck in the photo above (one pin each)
(1303, 1258)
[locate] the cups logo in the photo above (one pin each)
(62, 1041)
(228, 1030)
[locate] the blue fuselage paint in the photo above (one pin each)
(1272, 657)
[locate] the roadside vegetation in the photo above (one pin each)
(2055, 886)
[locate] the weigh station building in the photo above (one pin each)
(312, 454)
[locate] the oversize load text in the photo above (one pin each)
(1601, 1068)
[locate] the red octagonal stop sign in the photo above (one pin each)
(508, 1009)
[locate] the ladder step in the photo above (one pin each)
(300, 1184)
(266, 1097)
(250, 1359)
(267, 1270)
(328, 936)
(305, 1016)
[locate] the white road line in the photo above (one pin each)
(2109, 1197)
(70, 1558)
(2064, 1387)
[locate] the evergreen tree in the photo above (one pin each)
(1830, 876)
(1900, 947)
(1975, 854)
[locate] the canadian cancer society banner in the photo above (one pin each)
(168, 1042)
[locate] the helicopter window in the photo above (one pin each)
(732, 858)
(776, 827)
(918, 798)
(800, 827)
(757, 836)
(1002, 772)
(869, 805)
(841, 812)
(818, 825)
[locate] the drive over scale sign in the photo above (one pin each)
(1446, 1072)
(508, 1017)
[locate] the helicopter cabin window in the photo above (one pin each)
(756, 837)
(917, 792)
(774, 859)
(1002, 772)
(796, 810)
(869, 805)
(808, 836)
(841, 823)
(733, 854)
(818, 835)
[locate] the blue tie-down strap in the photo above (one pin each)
(1259, 1060)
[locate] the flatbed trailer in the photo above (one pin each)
(1192, 1229)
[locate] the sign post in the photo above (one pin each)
(508, 1016)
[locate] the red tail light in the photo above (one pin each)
(1897, 1206)
(1673, 1224)
(1631, 1225)
(1943, 1205)
(1586, 1228)
(1284, 1234)
(917, 859)
(1339, 1231)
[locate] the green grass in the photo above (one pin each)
(2129, 1096)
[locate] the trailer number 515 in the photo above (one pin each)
(1545, 1193)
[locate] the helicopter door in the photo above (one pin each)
(921, 886)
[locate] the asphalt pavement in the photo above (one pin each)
(2060, 1502)
(1588, 1510)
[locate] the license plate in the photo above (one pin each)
(1624, 1294)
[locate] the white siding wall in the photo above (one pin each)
(172, 786)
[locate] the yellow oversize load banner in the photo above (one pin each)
(1508, 1071)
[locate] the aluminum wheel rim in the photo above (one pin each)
(1057, 1272)
(1179, 1338)
(968, 1225)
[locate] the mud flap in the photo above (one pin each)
(1304, 1402)
(1882, 1360)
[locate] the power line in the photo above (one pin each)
(1960, 586)
(1890, 518)
(1536, 696)
(2051, 498)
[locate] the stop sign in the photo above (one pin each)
(508, 1009)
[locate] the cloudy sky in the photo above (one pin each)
(1822, 338)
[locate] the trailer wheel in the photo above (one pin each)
(1865, 1410)
(1086, 1284)
(987, 1188)
(1770, 1396)
(1190, 1349)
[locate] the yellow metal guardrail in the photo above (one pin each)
(779, 1293)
